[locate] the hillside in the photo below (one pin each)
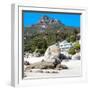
(47, 24)
(47, 32)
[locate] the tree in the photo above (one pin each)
(72, 38)
(45, 44)
(77, 46)
(68, 39)
(71, 51)
(76, 31)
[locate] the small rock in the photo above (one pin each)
(26, 63)
(59, 67)
(55, 72)
(47, 71)
(64, 67)
(30, 70)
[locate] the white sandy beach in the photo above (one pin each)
(32, 59)
(74, 69)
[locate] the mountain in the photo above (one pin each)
(47, 24)
(44, 24)
(47, 32)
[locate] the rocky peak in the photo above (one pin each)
(47, 20)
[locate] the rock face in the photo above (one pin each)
(76, 56)
(52, 54)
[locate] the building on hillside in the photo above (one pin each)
(65, 46)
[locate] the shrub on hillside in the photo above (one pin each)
(71, 51)
(72, 38)
(77, 46)
(41, 51)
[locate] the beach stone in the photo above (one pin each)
(64, 67)
(41, 65)
(76, 56)
(59, 66)
(26, 63)
(52, 54)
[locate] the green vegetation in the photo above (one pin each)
(74, 49)
(72, 38)
(41, 41)
(35, 38)
(41, 51)
(77, 46)
(71, 51)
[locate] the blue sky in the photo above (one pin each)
(67, 19)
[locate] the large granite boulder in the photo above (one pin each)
(52, 54)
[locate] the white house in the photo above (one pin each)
(65, 46)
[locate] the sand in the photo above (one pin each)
(74, 70)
